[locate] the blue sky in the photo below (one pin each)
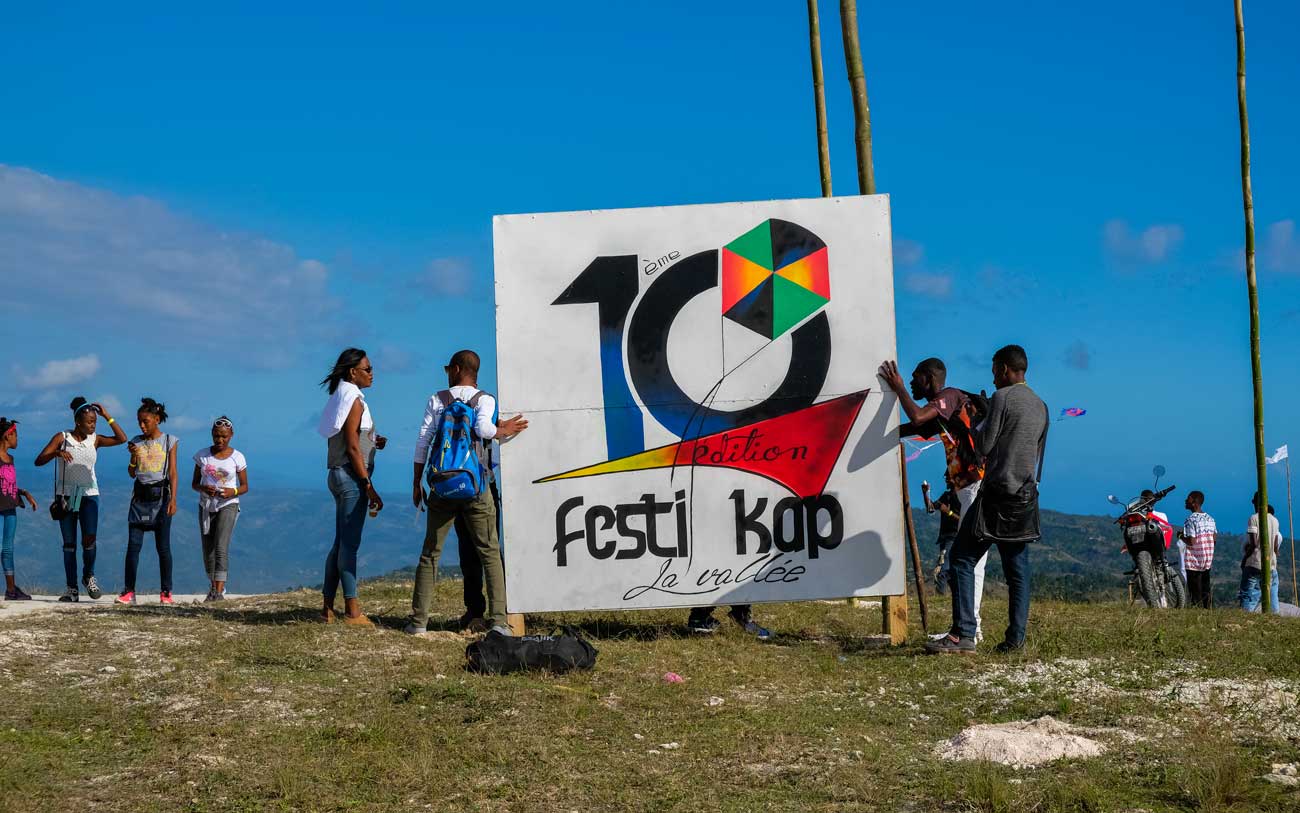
(205, 208)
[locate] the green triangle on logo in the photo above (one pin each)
(755, 245)
(791, 304)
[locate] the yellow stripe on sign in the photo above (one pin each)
(660, 458)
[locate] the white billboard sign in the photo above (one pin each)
(707, 426)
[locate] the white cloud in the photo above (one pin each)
(143, 266)
(59, 373)
(110, 403)
(394, 359)
(928, 283)
(908, 252)
(184, 423)
(1280, 250)
(1154, 244)
(447, 276)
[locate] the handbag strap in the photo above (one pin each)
(61, 467)
(1042, 441)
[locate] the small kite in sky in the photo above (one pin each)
(1072, 412)
(917, 445)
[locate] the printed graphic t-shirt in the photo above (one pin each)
(213, 471)
(9, 487)
(151, 456)
(963, 467)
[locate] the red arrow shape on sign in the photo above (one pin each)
(797, 450)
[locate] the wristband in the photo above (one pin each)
(111, 421)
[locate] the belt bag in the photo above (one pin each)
(150, 492)
(148, 505)
(1008, 517)
(147, 499)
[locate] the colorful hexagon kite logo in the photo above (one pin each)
(773, 277)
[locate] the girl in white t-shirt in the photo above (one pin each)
(220, 476)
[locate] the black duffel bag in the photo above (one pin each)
(497, 654)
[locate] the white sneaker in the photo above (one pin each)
(504, 630)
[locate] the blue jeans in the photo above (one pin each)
(1250, 595)
(965, 553)
(85, 517)
(350, 506)
(10, 518)
(162, 538)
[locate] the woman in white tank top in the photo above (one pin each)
(77, 489)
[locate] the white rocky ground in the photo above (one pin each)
(10, 609)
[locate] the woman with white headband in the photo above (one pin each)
(220, 477)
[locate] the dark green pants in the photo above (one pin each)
(479, 519)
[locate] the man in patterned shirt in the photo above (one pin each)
(951, 414)
(1199, 533)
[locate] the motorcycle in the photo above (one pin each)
(1146, 538)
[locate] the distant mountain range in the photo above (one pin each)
(283, 534)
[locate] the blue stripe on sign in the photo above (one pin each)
(624, 424)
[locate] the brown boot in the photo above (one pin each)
(353, 615)
(327, 614)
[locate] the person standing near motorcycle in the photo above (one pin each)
(949, 413)
(1251, 568)
(1012, 441)
(1198, 534)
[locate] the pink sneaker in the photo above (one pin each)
(165, 597)
(126, 598)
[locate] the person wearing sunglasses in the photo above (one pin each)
(351, 442)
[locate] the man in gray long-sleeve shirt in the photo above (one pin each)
(1012, 440)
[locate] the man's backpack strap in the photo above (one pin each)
(445, 398)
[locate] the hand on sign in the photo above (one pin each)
(889, 372)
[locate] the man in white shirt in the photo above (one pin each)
(478, 516)
(1252, 575)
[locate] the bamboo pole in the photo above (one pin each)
(858, 82)
(1290, 518)
(917, 577)
(1248, 205)
(819, 97)
(894, 608)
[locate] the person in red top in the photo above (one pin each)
(950, 414)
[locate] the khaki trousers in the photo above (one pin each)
(479, 518)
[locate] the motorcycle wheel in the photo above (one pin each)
(1175, 588)
(1147, 579)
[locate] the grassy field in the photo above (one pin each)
(253, 706)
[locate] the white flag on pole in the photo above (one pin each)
(1278, 456)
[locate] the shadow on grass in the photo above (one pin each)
(605, 628)
(278, 617)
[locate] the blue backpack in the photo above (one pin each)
(455, 471)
